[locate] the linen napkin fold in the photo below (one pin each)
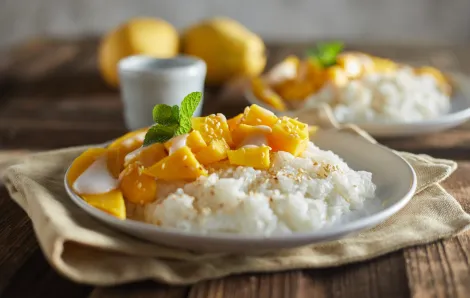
(87, 251)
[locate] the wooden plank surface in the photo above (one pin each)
(51, 96)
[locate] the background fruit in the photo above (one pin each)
(147, 36)
(228, 48)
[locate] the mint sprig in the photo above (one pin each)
(326, 53)
(171, 121)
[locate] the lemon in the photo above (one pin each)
(229, 49)
(138, 36)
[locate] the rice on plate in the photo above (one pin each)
(296, 194)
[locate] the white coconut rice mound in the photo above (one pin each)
(400, 96)
(297, 194)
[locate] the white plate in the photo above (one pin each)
(458, 114)
(394, 177)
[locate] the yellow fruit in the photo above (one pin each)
(234, 122)
(295, 89)
(215, 151)
(355, 64)
(181, 165)
(285, 70)
(111, 202)
(256, 157)
(256, 115)
(136, 186)
(212, 127)
(337, 76)
(148, 155)
(82, 162)
(115, 160)
(130, 139)
(263, 92)
(289, 135)
(229, 49)
(146, 36)
(244, 131)
(193, 141)
(382, 65)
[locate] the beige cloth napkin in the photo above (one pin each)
(87, 251)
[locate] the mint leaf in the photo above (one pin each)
(163, 114)
(172, 121)
(175, 111)
(189, 105)
(326, 53)
(184, 127)
(159, 133)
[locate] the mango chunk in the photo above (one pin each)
(234, 122)
(244, 132)
(136, 186)
(289, 135)
(111, 202)
(256, 115)
(82, 162)
(212, 127)
(130, 139)
(216, 151)
(181, 165)
(264, 93)
(337, 76)
(146, 156)
(194, 140)
(256, 157)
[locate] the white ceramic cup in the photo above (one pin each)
(147, 81)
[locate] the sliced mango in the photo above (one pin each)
(216, 151)
(256, 115)
(130, 139)
(212, 127)
(181, 165)
(148, 155)
(111, 202)
(115, 160)
(136, 186)
(234, 122)
(264, 93)
(289, 135)
(256, 157)
(244, 131)
(82, 162)
(194, 141)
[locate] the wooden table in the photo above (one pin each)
(52, 96)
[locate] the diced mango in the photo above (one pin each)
(136, 186)
(148, 155)
(256, 157)
(82, 162)
(194, 141)
(212, 127)
(244, 131)
(131, 139)
(295, 89)
(264, 93)
(337, 76)
(289, 135)
(234, 122)
(111, 202)
(216, 151)
(256, 115)
(181, 165)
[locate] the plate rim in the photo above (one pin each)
(323, 233)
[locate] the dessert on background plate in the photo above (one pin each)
(254, 174)
(359, 88)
